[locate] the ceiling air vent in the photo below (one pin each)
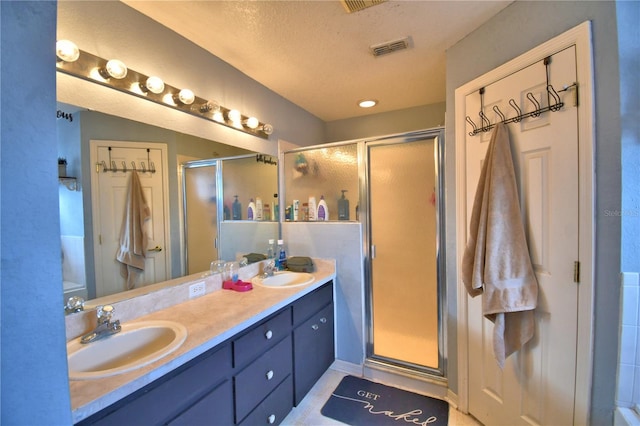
(389, 47)
(356, 5)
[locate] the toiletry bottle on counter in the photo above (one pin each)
(236, 209)
(251, 210)
(259, 211)
(271, 249)
(343, 207)
(312, 209)
(281, 262)
(323, 211)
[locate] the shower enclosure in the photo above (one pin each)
(405, 290)
(395, 191)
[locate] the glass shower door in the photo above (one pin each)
(403, 192)
(200, 216)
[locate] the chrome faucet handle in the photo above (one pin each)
(74, 304)
(104, 312)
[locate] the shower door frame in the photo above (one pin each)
(217, 163)
(371, 359)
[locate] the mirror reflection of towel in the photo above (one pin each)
(133, 234)
(496, 262)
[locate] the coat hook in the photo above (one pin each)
(124, 167)
(475, 129)
(497, 111)
(556, 99)
(143, 167)
(152, 167)
(133, 165)
(515, 106)
(536, 112)
(114, 168)
(486, 124)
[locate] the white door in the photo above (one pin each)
(537, 384)
(109, 191)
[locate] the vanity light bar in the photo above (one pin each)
(92, 68)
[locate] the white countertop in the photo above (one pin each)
(210, 320)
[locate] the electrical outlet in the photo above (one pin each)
(196, 290)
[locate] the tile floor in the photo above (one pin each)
(307, 413)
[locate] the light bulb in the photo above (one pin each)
(267, 128)
(67, 51)
(251, 123)
(154, 85)
(186, 96)
(210, 106)
(114, 68)
(217, 116)
(368, 103)
(234, 115)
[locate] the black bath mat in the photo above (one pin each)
(360, 402)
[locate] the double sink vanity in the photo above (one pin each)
(226, 357)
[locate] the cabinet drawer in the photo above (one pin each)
(274, 408)
(261, 338)
(215, 408)
(262, 376)
(161, 401)
(313, 349)
(312, 303)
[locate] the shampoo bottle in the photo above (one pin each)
(236, 209)
(251, 210)
(343, 207)
(312, 208)
(259, 211)
(323, 211)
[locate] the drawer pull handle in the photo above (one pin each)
(323, 320)
(269, 374)
(268, 335)
(271, 419)
(315, 326)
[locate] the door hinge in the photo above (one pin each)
(100, 239)
(576, 271)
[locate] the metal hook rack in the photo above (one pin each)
(112, 167)
(554, 104)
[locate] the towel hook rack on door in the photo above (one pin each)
(554, 103)
(114, 168)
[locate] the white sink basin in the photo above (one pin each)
(284, 279)
(137, 345)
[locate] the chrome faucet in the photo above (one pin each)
(268, 269)
(105, 326)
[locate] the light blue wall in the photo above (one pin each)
(34, 388)
(517, 29)
(629, 48)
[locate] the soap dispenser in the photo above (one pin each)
(236, 209)
(343, 207)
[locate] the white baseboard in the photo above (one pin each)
(347, 367)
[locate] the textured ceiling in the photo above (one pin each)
(316, 55)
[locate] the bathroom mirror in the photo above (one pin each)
(78, 130)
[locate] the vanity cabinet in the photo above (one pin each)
(254, 378)
(194, 393)
(313, 339)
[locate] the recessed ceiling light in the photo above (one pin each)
(368, 103)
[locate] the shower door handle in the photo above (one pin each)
(373, 251)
